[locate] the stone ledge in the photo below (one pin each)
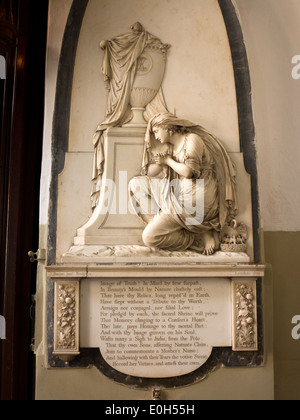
(141, 254)
(130, 271)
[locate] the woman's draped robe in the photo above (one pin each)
(174, 226)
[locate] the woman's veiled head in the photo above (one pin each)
(169, 122)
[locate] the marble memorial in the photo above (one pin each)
(162, 272)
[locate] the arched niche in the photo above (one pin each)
(64, 140)
(72, 133)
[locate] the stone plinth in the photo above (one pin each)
(112, 222)
(155, 321)
(94, 254)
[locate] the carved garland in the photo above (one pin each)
(66, 320)
(245, 336)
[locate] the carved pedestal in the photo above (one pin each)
(129, 312)
(112, 223)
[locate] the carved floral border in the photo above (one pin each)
(66, 319)
(245, 336)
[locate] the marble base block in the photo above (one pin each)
(112, 223)
(95, 254)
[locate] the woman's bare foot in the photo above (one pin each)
(209, 242)
(205, 243)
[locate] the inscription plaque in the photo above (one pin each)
(156, 328)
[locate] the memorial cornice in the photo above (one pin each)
(155, 270)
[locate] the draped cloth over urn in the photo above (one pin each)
(133, 69)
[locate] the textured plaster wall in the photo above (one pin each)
(58, 15)
(272, 31)
(282, 253)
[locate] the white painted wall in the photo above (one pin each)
(272, 31)
(58, 15)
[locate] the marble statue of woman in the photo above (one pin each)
(177, 149)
